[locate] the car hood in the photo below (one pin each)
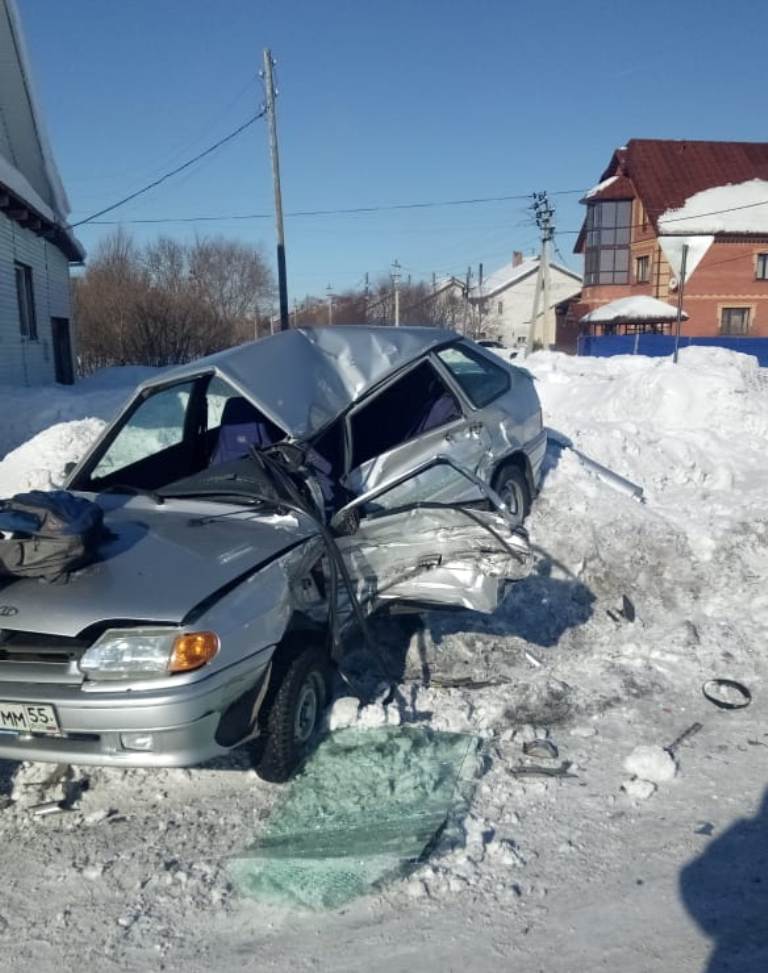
(157, 564)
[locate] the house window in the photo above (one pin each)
(642, 269)
(606, 254)
(25, 295)
(734, 320)
(500, 306)
(761, 269)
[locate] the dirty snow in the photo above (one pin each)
(564, 860)
(734, 208)
(651, 763)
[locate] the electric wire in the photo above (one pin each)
(173, 172)
(387, 207)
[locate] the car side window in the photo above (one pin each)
(155, 425)
(480, 379)
(411, 406)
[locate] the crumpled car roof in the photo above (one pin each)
(303, 378)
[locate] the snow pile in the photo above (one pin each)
(733, 208)
(693, 435)
(636, 308)
(39, 464)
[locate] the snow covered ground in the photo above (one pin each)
(636, 862)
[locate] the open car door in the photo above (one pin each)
(404, 548)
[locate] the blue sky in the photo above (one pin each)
(381, 102)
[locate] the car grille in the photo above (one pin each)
(31, 657)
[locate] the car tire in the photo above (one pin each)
(292, 714)
(511, 484)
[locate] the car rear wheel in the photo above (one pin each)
(292, 714)
(511, 484)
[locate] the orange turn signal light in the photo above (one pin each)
(192, 650)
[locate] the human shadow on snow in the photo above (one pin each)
(725, 890)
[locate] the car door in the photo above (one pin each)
(411, 419)
(427, 553)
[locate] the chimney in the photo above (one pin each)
(517, 258)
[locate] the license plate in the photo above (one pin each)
(28, 718)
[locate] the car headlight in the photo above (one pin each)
(143, 653)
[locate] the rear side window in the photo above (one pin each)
(412, 406)
(479, 378)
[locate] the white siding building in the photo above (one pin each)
(505, 301)
(36, 248)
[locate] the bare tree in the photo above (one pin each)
(168, 301)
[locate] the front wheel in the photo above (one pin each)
(511, 484)
(292, 715)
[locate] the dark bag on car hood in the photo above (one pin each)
(47, 535)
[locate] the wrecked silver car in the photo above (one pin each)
(258, 505)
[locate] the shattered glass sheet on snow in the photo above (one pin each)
(367, 806)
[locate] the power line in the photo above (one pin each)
(320, 212)
(174, 172)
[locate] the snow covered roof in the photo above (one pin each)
(644, 310)
(600, 187)
(732, 208)
(27, 166)
(512, 273)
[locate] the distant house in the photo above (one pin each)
(36, 248)
(504, 301)
(654, 197)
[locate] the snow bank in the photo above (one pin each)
(733, 208)
(39, 464)
(692, 433)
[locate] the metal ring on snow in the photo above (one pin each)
(711, 692)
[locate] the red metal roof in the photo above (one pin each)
(620, 188)
(666, 172)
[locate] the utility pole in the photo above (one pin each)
(467, 306)
(396, 281)
(480, 303)
(282, 281)
(543, 213)
(680, 292)
(329, 298)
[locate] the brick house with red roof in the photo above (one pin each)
(657, 195)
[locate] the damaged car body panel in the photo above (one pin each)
(256, 504)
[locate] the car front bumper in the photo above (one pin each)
(180, 724)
